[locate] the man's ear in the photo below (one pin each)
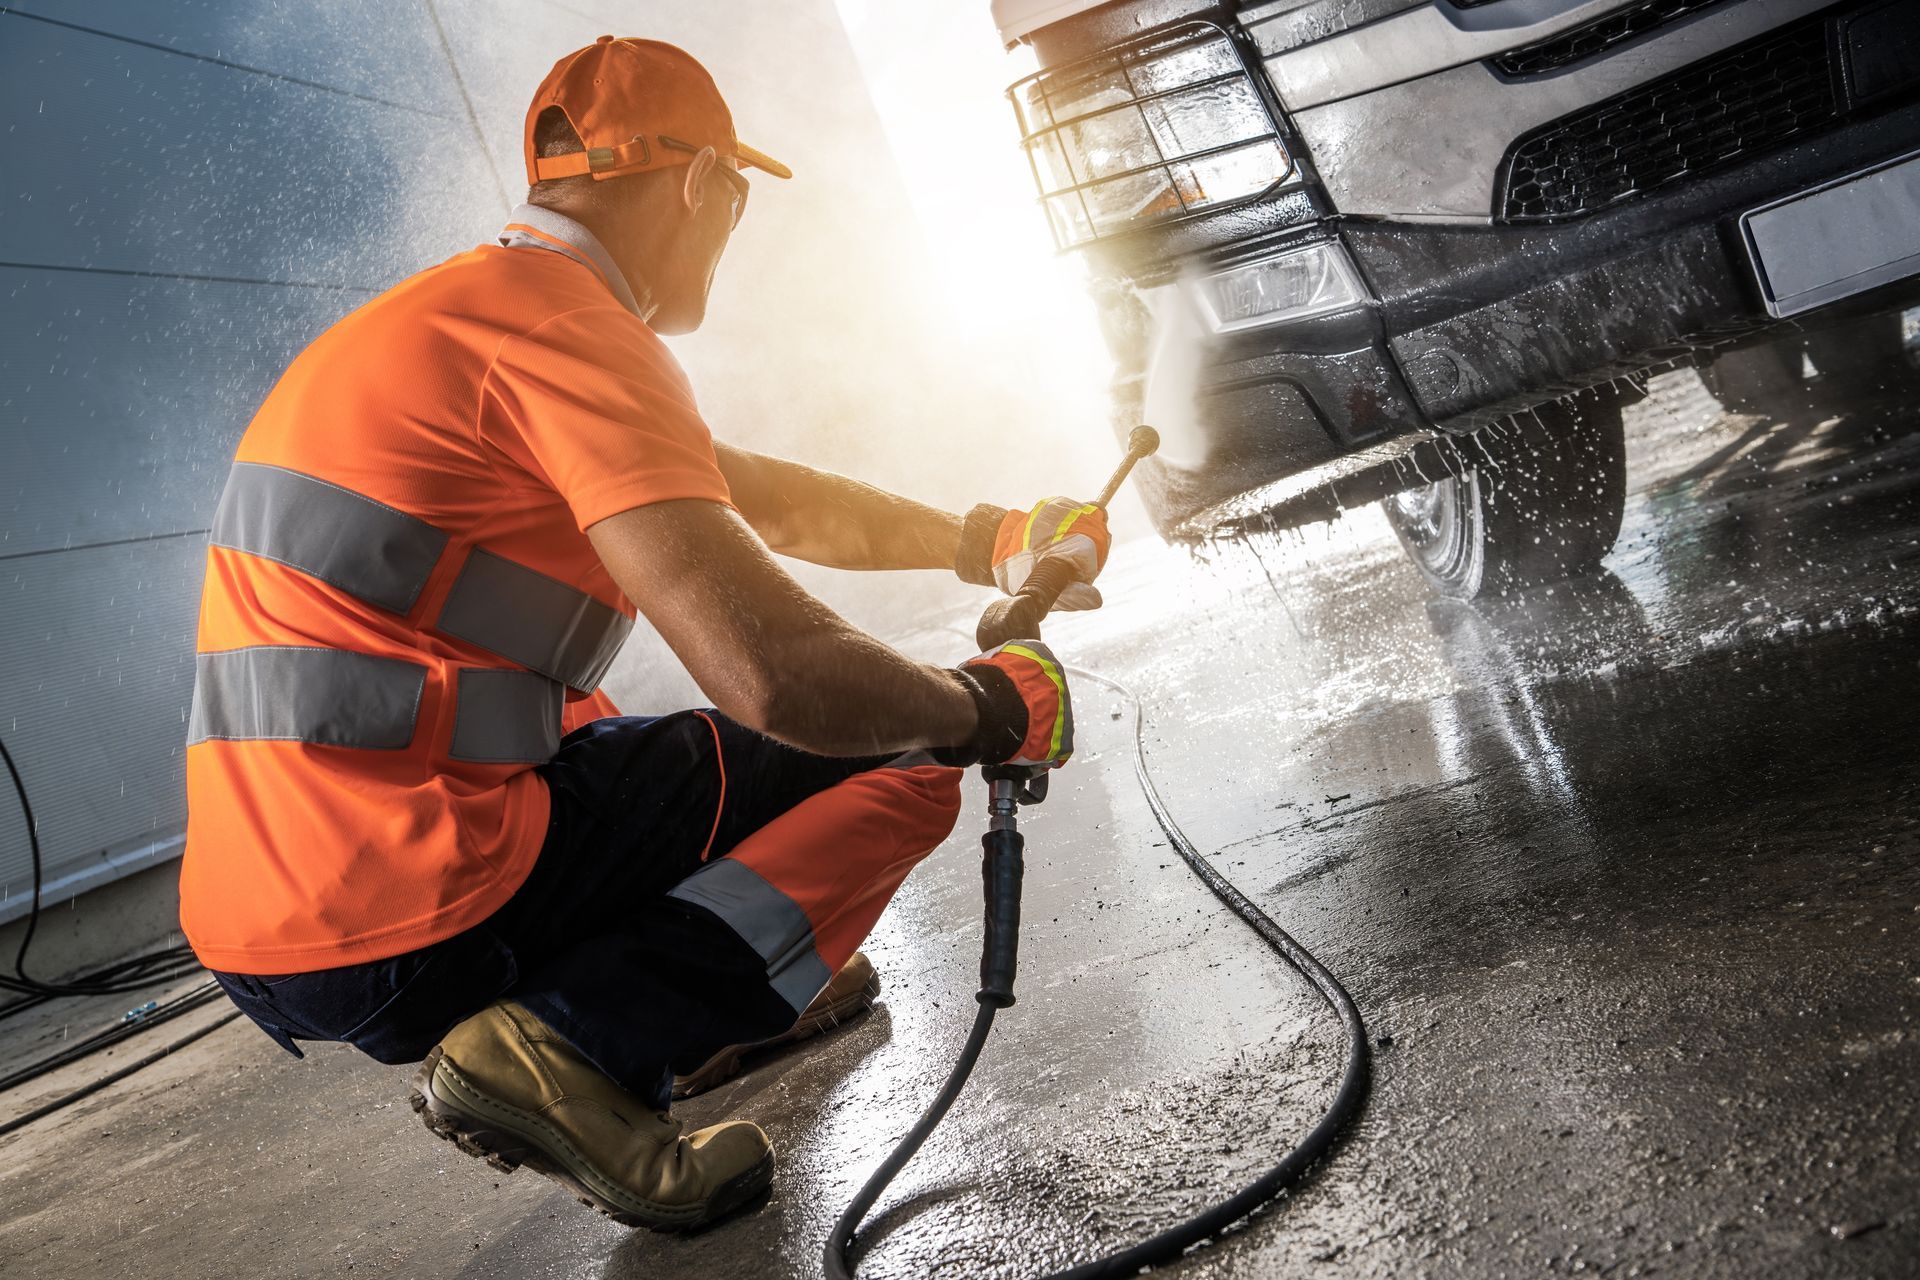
(693, 192)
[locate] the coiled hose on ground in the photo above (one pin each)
(1177, 1239)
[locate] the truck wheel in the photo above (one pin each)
(1540, 499)
(1862, 357)
(1757, 380)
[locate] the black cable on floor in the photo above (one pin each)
(1177, 1239)
(167, 964)
(197, 998)
(95, 1086)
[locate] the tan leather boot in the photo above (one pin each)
(504, 1087)
(850, 994)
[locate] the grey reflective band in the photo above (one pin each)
(506, 717)
(366, 548)
(323, 697)
(536, 621)
(767, 920)
(574, 241)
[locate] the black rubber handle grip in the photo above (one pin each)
(1017, 617)
(1001, 869)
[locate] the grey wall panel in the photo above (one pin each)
(134, 173)
(98, 647)
(385, 49)
(501, 75)
(148, 161)
(126, 374)
(124, 397)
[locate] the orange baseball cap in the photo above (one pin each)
(638, 105)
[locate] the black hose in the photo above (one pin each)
(1176, 1240)
(839, 1266)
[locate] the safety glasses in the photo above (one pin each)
(738, 195)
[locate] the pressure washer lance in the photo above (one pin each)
(1018, 618)
(1002, 866)
(1001, 870)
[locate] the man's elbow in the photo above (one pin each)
(791, 712)
(754, 703)
(767, 702)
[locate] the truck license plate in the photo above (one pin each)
(1837, 240)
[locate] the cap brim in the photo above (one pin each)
(760, 160)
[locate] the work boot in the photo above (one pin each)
(505, 1087)
(850, 994)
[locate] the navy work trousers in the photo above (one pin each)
(641, 983)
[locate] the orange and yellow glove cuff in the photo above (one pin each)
(1025, 712)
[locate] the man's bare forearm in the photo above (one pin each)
(767, 652)
(831, 520)
(847, 694)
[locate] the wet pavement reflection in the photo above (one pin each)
(1623, 875)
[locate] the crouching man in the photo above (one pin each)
(417, 828)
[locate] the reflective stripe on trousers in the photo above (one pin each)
(768, 920)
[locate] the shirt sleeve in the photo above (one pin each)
(592, 404)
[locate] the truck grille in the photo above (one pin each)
(1716, 112)
(1596, 37)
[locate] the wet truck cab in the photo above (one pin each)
(1426, 251)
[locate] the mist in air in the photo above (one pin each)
(897, 311)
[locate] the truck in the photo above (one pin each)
(1425, 252)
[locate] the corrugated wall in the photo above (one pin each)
(192, 191)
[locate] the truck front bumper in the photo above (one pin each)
(1467, 324)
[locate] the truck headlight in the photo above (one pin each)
(1289, 286)
(1157, 129)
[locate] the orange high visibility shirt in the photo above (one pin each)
(402, 610)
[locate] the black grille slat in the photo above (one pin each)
(1596, 37)
(1717, 111)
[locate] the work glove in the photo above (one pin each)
(1026, 715)
(1001, 548)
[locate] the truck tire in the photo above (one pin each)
(1855, 358)
(1765, 379)
(1538, 499)
(1861, 357)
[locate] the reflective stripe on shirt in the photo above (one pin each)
(347, 540)
(539, 622)
(383, 557)
(337, 698)
(506, 717)
(323, 697)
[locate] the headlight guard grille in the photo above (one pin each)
(1162, 128)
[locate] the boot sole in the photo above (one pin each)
(508, 1138)
(724, 1066)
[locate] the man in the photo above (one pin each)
(436, 533)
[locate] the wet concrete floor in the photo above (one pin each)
(1625, 879)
